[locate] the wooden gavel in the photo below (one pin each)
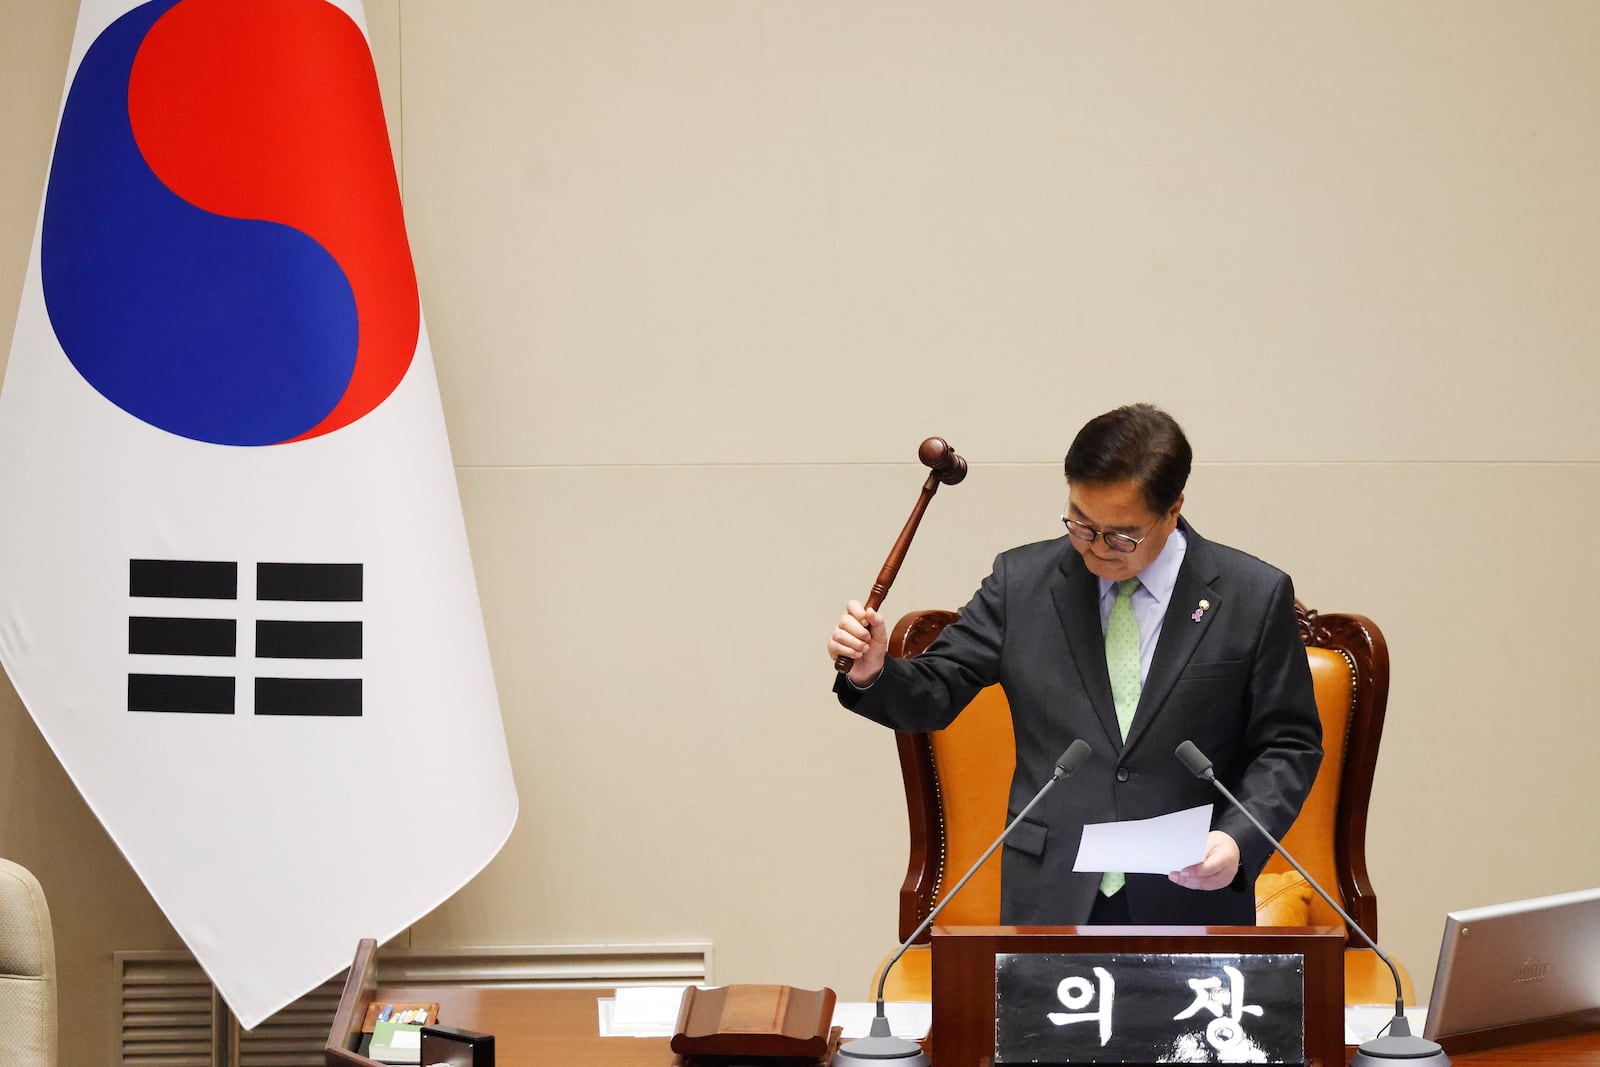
(944, 467)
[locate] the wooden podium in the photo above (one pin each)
(966, 961)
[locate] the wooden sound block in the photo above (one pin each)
(755, 1021)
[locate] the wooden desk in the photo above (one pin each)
(531, 1027)
(1578, 1051)
(1572, 1042)
(560, 1027)
(540, 1027)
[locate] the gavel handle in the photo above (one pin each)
(897, 555)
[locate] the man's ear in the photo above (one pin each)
(1177, 506)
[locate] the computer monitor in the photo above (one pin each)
(1517, 963)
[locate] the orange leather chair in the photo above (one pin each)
(956, 782)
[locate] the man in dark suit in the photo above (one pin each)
(1202, 645)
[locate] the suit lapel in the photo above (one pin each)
(1078, 605)
(1180, 631)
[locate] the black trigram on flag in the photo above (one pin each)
(212, 632)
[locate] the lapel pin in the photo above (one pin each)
(1200, 612)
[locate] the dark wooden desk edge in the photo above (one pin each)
(1511, 1038)
(360, 986)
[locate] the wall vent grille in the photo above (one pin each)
(170, 1015)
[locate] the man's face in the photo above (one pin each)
(1118, 507)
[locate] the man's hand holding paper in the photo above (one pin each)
(1218, 868)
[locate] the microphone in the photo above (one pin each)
(879, 1047)
(1398, 1043)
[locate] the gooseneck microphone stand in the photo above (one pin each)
(881, 1047)
(1399, 1043)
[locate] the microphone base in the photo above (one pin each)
(1402, 1049)
(880, 1052)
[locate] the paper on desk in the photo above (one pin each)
(1363, 1021)
(641, 1011)
(908, 1019)
(1161, 845)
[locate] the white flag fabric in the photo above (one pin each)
(235, 588)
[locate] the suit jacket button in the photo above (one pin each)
(1122, 774)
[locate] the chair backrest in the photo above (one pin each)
(957, 781)
(27, 972)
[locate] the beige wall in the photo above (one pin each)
(699, 277)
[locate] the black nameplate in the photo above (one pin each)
(1143, 1008)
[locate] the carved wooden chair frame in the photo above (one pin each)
(1354, 637)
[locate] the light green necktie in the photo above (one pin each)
(1122, 663)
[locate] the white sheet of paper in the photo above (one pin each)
(641, 1011)
(652, 1011)
(1363, 1021)
(1161, 845)
(907, 1019)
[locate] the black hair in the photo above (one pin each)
(1138, 443)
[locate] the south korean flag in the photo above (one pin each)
(235, 589)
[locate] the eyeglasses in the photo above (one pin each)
(1116, 542)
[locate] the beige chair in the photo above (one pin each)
(27, 972)
(957, 781)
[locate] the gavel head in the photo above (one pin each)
(937, 455)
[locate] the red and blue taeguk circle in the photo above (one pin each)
(223, 251)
